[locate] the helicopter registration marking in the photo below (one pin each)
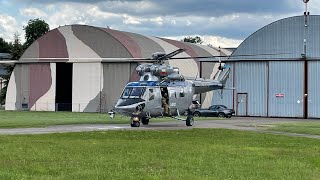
(173, 104)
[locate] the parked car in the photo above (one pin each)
(215, 111)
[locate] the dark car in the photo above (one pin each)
(215, 111)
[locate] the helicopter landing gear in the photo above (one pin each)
(189, 120)
(135, 121)
(145, 120)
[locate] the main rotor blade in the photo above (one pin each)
(111, 60)
(224, 56)
(170, 55)
(9, 62)
(70, 60)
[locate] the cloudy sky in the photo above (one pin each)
(224, 23)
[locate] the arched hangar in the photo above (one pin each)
(62, 69)
(283, 84)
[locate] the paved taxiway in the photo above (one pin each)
(237, 123)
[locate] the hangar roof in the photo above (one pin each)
(285, 38)
(88, 43)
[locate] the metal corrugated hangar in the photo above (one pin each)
(286, 82)
(62, 69)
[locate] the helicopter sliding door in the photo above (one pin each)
(153, 97)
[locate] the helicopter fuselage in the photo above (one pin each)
(145, 97)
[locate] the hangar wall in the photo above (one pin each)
(251, 81)
(249, 96)
(262, 88)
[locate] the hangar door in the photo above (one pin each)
(115, 77)
(286, 88)
(313, 89)
(251, 79)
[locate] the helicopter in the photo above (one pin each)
(163, 91)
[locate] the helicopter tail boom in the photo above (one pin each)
(205, 85)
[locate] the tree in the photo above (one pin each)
(34, 29)
(195, 40)
(16, 52)
(4, 46)
(17, 47)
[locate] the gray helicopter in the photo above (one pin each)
(162, 91)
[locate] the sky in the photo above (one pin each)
(224, 23)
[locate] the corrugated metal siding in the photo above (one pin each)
(286, 78)
(116, 76)
(251, 78)
(283, 36)
(313, 89)
(227, 95)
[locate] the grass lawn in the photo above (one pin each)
(184, 154)
(299, 127)
(15, 119)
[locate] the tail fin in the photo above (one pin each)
(224, 74)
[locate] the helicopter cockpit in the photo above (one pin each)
(133, 92)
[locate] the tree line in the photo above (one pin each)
(34, 29)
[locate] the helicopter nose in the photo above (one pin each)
(128, 102)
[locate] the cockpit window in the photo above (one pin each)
(133, 92)
(126, 92)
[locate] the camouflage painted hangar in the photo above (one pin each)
(286, 84)
(62, 69)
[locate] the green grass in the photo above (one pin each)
(184, 154)
(299, 127)
(15, 119)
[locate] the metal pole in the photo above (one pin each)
(305, 94)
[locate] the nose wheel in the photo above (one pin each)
(135, 121)
(190, 120)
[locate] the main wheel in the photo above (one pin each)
(145, 121)
(221, 115)
(196, 114)
(189, 120)
(135, 122)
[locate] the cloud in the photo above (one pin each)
(234, 20)
(186, 7)
(33, 12)
(215, 41)
(130, 20)
(8, 26)
(74, 14)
